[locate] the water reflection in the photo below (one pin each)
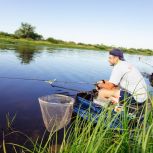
(25, 53)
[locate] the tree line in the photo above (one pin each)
(27, 31)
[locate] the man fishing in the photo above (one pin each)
(125, 84)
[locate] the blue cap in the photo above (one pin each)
(117, 52)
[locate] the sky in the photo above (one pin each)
(125, 23)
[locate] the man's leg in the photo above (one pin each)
(105, 94)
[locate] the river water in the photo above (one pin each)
(20, 98)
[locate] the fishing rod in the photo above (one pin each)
(48, 81)
(65, 88)
(145, 62)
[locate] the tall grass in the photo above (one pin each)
(134, 136)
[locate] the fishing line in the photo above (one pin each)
(48, 81)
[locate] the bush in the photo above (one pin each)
(55, 41)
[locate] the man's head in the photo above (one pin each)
(115, 55)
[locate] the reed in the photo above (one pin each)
(83, 136)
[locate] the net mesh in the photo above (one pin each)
(56, 111)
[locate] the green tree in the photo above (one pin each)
(27, 31)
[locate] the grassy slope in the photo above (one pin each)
(9, 40)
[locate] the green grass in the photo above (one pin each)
(14, 41)
(64, 44)
(102, 138)
(86, 137)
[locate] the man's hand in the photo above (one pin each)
(102, 81)
(105, 84)
(99, 84)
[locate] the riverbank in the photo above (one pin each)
(135, 135)
(64, 44)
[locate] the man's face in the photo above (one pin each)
(112, 60)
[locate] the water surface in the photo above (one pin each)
(21, 97)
